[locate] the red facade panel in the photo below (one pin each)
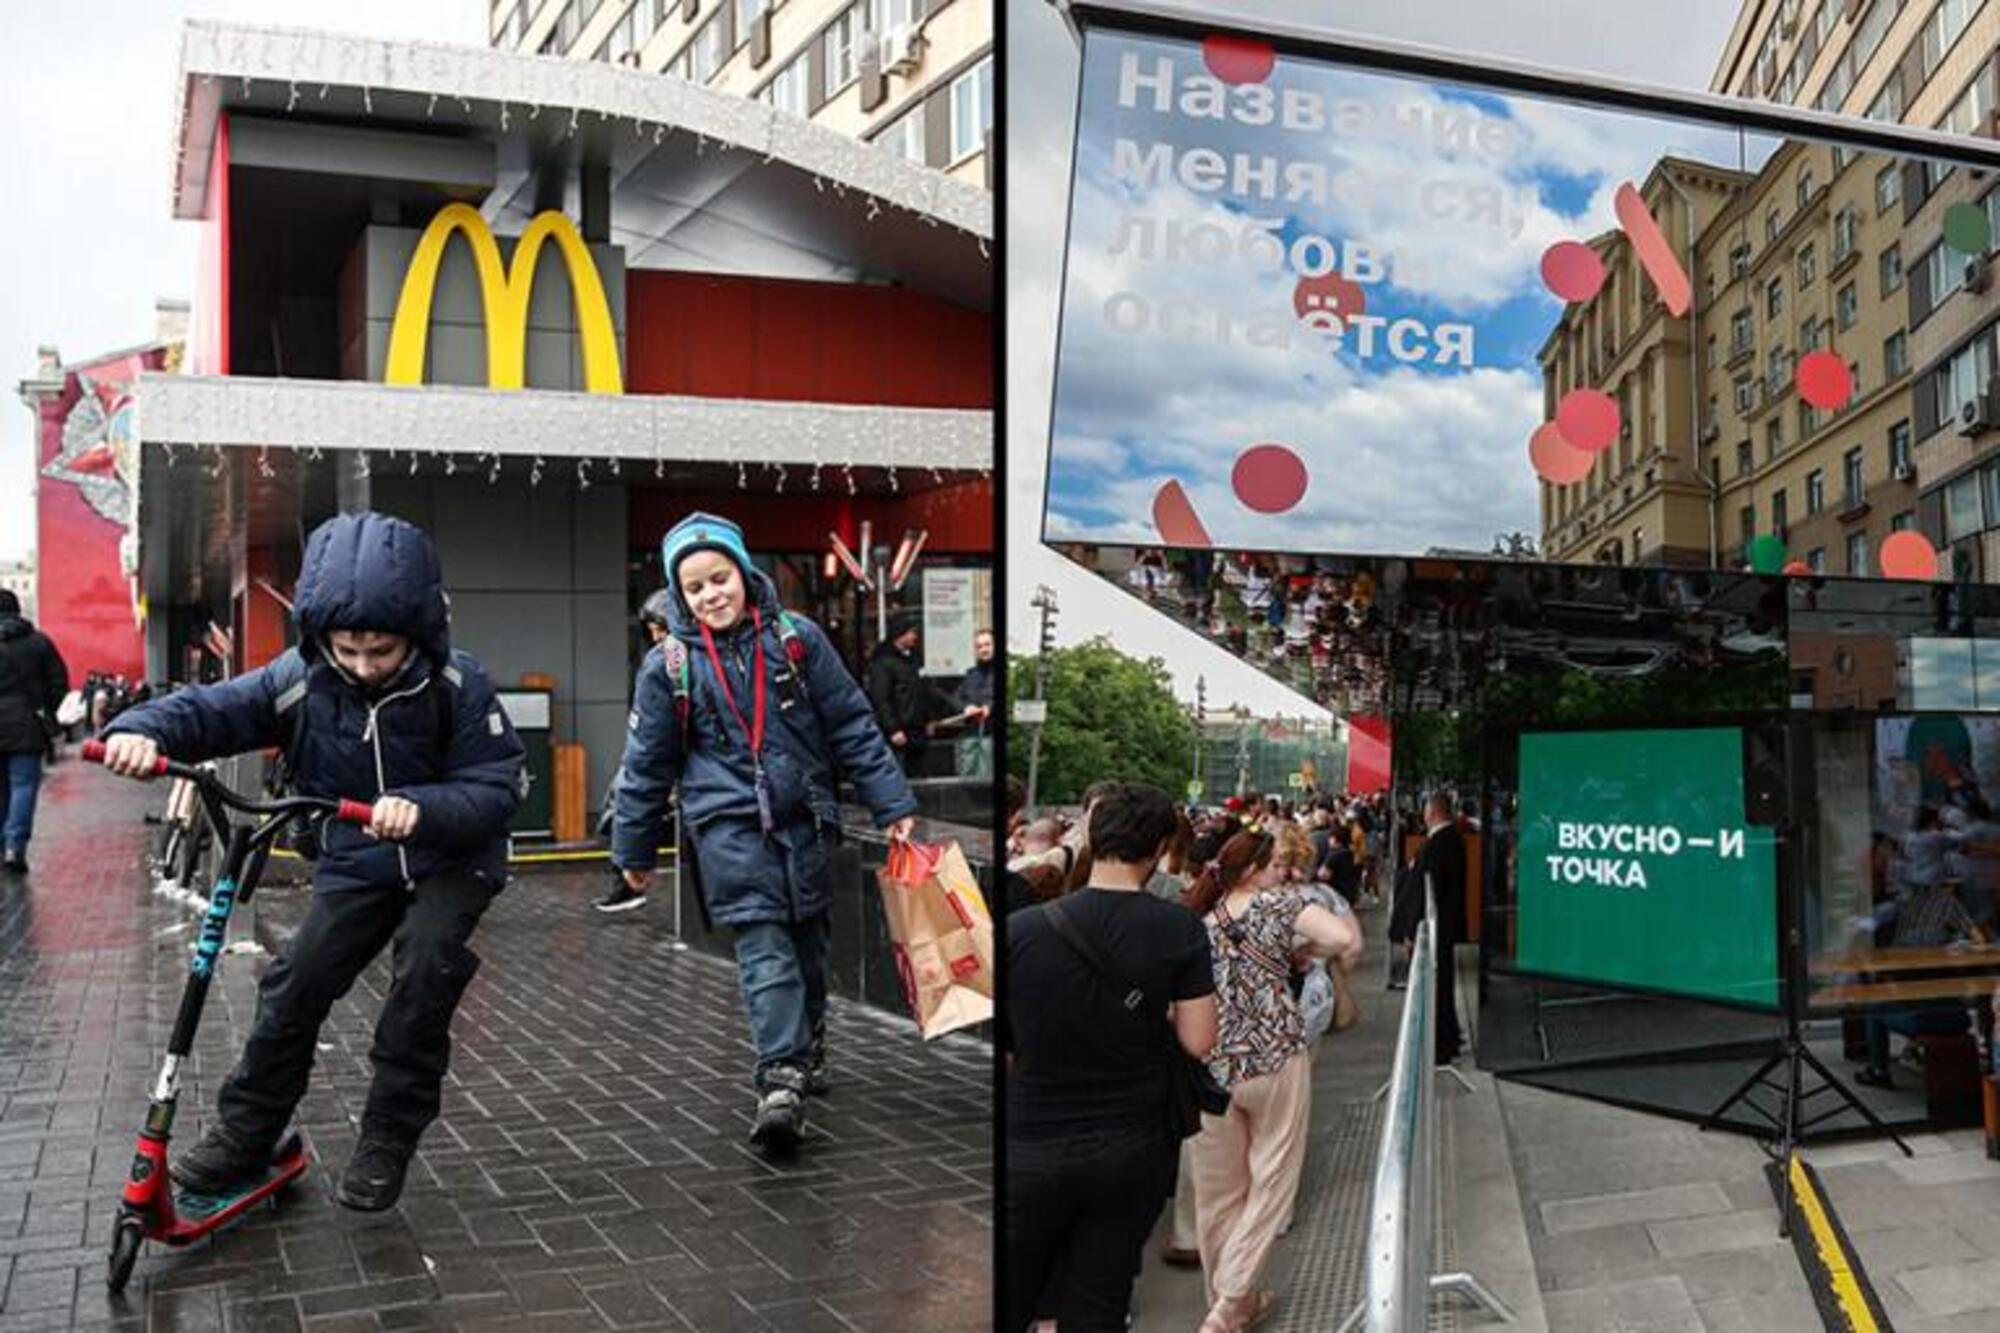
(734, 337)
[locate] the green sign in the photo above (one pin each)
(1637, 867)
(1194, 791)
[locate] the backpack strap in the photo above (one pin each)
(679, 680)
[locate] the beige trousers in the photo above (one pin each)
(1246, 1174)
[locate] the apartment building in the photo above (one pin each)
(912, 77)
(1929, 63)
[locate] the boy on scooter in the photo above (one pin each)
(373, 705)
(748, 709)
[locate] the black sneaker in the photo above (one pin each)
(373, 1180)
(16, 860)
(818, 1083)
(781, 1110)
(218, 1164)
(622, 898)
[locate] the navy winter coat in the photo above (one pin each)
(746, 876)
(368, 571)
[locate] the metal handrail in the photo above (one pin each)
(1401, 1267)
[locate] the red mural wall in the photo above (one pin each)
(87, 462)
(831, 342)
(1367, 754)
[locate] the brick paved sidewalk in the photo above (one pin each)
(591, 1168)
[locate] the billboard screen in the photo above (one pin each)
(1638, 868)
(1309, 305)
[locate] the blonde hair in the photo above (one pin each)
(1295, 849)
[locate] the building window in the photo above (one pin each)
(1888, 104)
(1740, 333)
(887, 15)
(1891, 268)
(1780, 512)
(1713, 352)
(1739, 261)
(1960, 380)
(840, 51)
(1843, 234)
(1857, 554)
(971, 109)
(1888, 188)
(1746, 519)
(1816, 560)
(1846, 307)
(1743, 395)
(1899, 447)
(1774, 437)
(1805, 189)
(1815, 491)
(1904, 522)
(1895, 355)
(1942, 31)
(747, 13)
(1946, 271)
(566, 29)
(787, 91)
(1773, 224)
(1743, 460)
(624, 37)
(681, 65)
(708, 52)
(1850, 476)
(1968, 114)
(1808, 266)
(1961, 508)
(1774, 298)
(905, 136)
(1809, 335)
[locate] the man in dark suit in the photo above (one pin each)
(1442, 861)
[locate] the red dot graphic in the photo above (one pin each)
(1824, 381)
(1556, 460)
(1269, 478)
(1330, 294)
(1238, 59)
(1908, 555)
(1572, 270)
(1588, 419)
(1797, 568)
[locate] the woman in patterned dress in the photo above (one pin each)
(1247, 1161)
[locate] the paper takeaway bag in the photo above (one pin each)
(942, 933)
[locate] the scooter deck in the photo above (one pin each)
(287, 1163)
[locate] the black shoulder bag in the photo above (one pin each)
(1191, 1088)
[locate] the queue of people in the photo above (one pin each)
(1140, 936)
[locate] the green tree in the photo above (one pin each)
(1110, 716)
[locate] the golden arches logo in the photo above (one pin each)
(504, 291)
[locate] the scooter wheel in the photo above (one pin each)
(126, 1238)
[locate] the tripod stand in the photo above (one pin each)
(1790, 1120)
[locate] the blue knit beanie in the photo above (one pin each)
(702, 532)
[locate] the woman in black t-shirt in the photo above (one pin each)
(1089, 1154)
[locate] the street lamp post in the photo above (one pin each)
(1045, 602)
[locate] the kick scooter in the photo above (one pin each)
(152, 1209)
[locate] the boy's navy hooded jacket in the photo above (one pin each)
(829, 724)
(367, 572)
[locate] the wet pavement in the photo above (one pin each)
(591, 1168)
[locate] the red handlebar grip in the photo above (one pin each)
(93, 753)
(354, 812)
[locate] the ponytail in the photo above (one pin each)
(1241, 856)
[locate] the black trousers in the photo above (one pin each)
(341, 935)
(1448, 1036)
(1080, 1210)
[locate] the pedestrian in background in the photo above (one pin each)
(33, 681)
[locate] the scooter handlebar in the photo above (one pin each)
(93, 753)
(355, 812)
